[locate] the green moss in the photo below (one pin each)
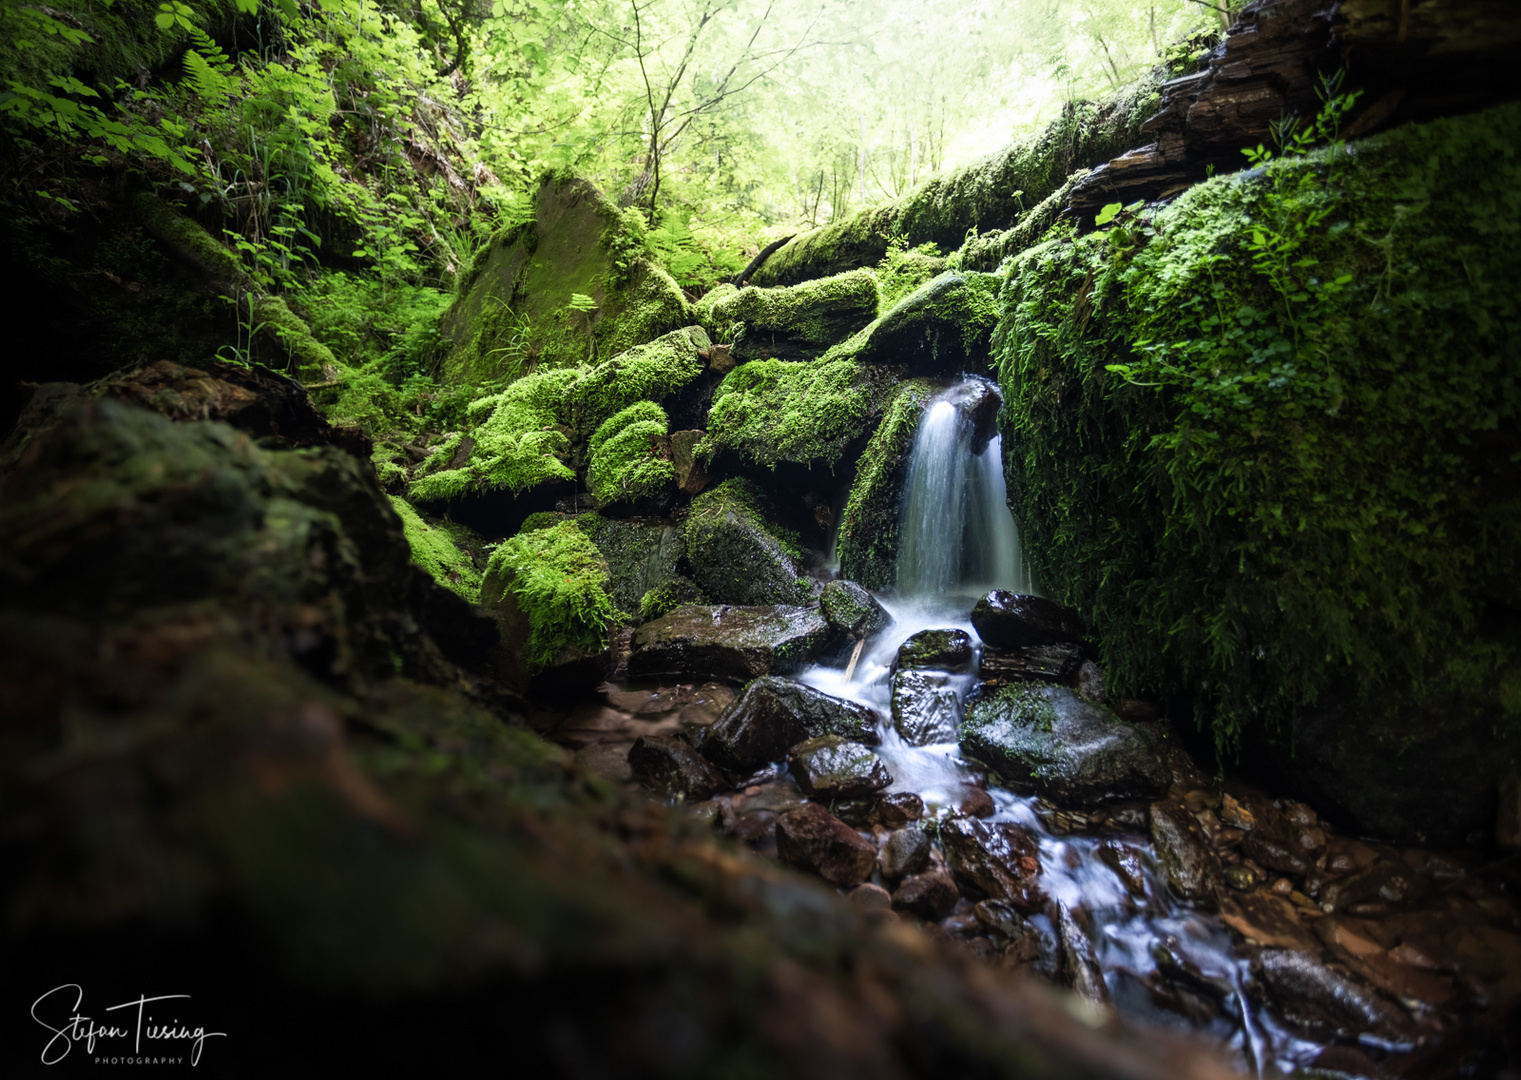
(770, 411)
(520, 445)
(542, 520)
(1299, 487)
(558, 579)
(868, 536)
(309, 357)
(737, 555)
(435, 552)
(646, 372)
(626, 455)
(192, 243)
(903, 270)
(705, 306)
(818, 313)
(672, 594)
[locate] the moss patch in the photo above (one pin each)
(1301, 474)
(868, 537)
(799, 322)
(434, 550)
(737, 555)
(629, 455)
(558, 579)
(771, 411)
(647, 372)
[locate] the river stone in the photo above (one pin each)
(1325, 1002)
(1189, 864)
(1079, 967)
(814, 839)
(728, 642)
(1069, 750)
(899, 808)
(852, 610)
(930, 896)
(998, 857)
(938, 650)
(1061, 663)
(1006, 620)
(907, 851)
(926, 708)
(772, 715)
(671, 767)
(830, 767)
(735, 556)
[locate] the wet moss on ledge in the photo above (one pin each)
(557, 579)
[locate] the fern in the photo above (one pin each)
(210, 72)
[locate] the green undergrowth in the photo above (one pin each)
(436, 552)
(868, 536)
(1261, 439)
(626, 455)
(771, 411)
(558, 579)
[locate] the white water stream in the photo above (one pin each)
(958, 541)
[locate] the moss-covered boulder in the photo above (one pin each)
(991, 194)
(941, 328)
(642, 557)
(868, 536)
(548, 590)
(1311, 456)
(630, 456)
(796, 323)
(648, 372)
(517, 305)
(769, 412)
(435, 549)
(942, 650)
(737, 555)
(1069, 750)
(852, 610)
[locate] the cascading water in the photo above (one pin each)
(958, 541)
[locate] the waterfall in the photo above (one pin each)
(957, 534)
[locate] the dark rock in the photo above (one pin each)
(830, 767)
(728, 642)
(1327, 1003)
(926, 707)
(756, 826)
(1035, 663)
(937, 650)
(857, 813)
(869, 897)
(1069, 750)
(1189, 864)
(1508, 820)
(1006, 620)
(1240, 878)
(690, 476)
(814, 839)
(930, 896)
(975, 802)
(772, 715)
(641, 555)
(1126, 863)
(1280, 844)
(907, 851)
(1079, 966)
(899, 808)
(999, 858)
(736, 556)
(999, 918)
(1387, 881)
(671, 767)
(852, 610)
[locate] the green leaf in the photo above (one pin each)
(1108, 213)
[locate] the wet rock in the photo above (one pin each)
(1126, 863)
(1006, 620)
(1090, 681)
(928, 330)
(772, 715)
(640, 556)
(1325, 1002)
(1264, 919)
(869, 897)
(937, 650)
(1069, 750)
(670, 766)
(852, 610)
(907, 851)
(812, 838)
(977, 803)
(1135, 817)
(926, 707)
(1240, 878)
(899, 808)
(999, 918)
(1388, 881)
(1036, 663)
(728, 642)
(830, 767)
(930, 896)
(857, 813)
(1189, 864)
(999, 858)
(690, 476)
(1079, 966)
(735, 554)
(756, 826)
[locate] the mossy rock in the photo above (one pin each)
(869, 526)
(796, 323)
(435, 549)
(676, 591)
(1302, 495)
(642, 557)
(995, 193)
(515, 305)
(631, 456)
(648, 372)
(852, 610)
(737, 555)
(941, 328)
